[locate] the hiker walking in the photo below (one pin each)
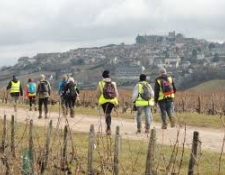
(164, 95)
(31, 93)
(72, 94)
(62, 93)
(15, 89)
(143, 99)
(43, 93)
(107, 94)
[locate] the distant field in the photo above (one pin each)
(213, 85)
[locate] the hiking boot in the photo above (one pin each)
(164, 126)
(35, 109)
(72, 113)
(172, 123)
(108, 132)
(138, 128)
(30, 109)
(147, 126)
(39, 117)
(146, 131)
(138, 131)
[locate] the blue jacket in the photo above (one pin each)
(60, 86)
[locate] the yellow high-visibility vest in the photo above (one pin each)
(140, 101)
(102, 100)
(161, 95)
(15, 87)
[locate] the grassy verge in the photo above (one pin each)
(191, 119)
(132, 154)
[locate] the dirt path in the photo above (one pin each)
(211, 138)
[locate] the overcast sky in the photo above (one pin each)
(28, 27)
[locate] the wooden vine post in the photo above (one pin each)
(194, 152)
(31, 147)
(47, 148)
(4, 134)
(90, 169)
(13, 136)
(149, 169)
(117, 151)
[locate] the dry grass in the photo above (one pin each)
(132, 154)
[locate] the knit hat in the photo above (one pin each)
(105, 74)
(14, 77)
(142, 77)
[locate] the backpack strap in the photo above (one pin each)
(139, 83)
(101, 86)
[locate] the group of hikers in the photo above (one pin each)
(143, 97)
(41, 91)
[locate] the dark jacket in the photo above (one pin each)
(15, 94)
(69, 86)
(157, 86)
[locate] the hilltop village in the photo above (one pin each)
(183, 57)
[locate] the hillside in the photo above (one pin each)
(194, 61)
(212, 85)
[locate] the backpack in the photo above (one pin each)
(63, 88)
(72, 90)
(44, 86)
(109, 91)
(32, 88)
(167, 87)
(146, 92)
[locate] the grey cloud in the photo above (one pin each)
(83, 23)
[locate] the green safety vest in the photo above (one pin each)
(141, 102)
